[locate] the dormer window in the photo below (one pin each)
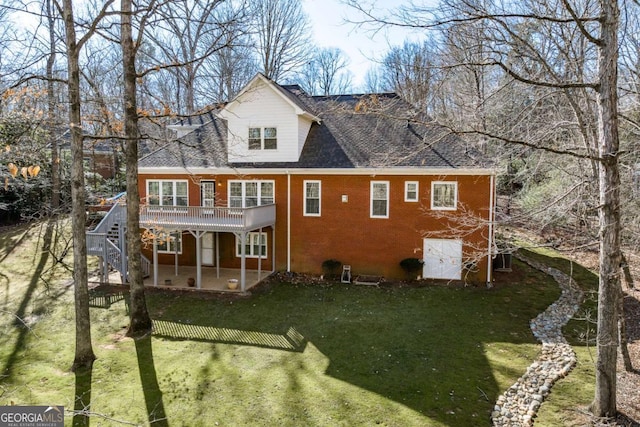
(263, 138)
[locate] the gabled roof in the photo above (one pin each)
(300, 108)
(355, 131)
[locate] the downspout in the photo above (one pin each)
(288, 221)
(490, 246)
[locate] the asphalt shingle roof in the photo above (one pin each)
(356, 131)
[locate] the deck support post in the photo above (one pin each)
(155, 258)
(260, 254)
(122, 243)
(104, 269)
(243, 259)
(198, 236)
(217, 255)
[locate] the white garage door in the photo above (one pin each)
(442, 259)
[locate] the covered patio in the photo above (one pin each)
(198, 221)
(107, 241)
(210, 281)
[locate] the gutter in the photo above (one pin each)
(415, 171)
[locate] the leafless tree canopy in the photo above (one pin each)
(326, 73)
(282, 33)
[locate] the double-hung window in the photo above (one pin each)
(411, 191)
(255, 245)
(379, 199)
(444, 195)
(245, 194)
(167, 193)
(312, 191)
(169, 243)
(263, 138)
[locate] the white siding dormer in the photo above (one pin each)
(262, 107)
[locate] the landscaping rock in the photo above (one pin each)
(519, 404)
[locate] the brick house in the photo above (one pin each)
(279, 180)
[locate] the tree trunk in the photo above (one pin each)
(84, 356)
(51, 101)
(604, 404)
(140, 322)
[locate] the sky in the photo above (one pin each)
(363, 47)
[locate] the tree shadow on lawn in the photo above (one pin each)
(20, 314)
(149, 379)
(11, 239)
(425, 348)
(104, 296)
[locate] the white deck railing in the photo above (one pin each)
(208, 218)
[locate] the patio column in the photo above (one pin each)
(273, 248)
(243, 259)
(259, 253)
(198, 235)
(155, 259)
(175, 257)
(217, 255)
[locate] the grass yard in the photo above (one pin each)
(575, 392)
(289, 355)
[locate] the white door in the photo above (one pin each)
(442, 259)
(208, 193)
(207, 249)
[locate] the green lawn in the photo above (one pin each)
(289, 355)
(575, 392)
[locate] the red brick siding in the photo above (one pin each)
(345, 231)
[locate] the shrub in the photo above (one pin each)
(412, 266)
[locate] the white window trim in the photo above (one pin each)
(371, 215)
(244, 190)
(160, 181)
(304, 189)
(262, 138)
(250, 236)
(208, 181)
(455, 196)
(172, 236)
(406, 191)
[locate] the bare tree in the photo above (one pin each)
(373, 82)
(188, 33)
(84, 355)
(49, 14)
(528, 58)
(234, 64)
(408, 70)
(327, 72)
(140, 322)
(282, 34)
